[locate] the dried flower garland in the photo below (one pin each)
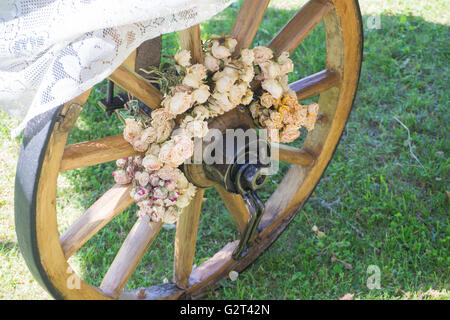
(193, 94)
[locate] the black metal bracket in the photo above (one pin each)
(246, 184)
(111, 102)
(115, 102)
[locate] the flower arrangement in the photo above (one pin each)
(193, 93)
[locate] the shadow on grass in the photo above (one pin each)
(372, 181)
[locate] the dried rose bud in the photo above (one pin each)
(171, 186)
(144, 178)
(160, 193)
(122, 162)
(130, 171)
(121, 177)
(154, 180)
(137, 160)
(140, 195)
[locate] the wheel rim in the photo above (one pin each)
(36, 218)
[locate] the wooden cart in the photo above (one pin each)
(44, 154)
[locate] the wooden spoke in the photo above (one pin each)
(247, 23)
(190, 40)
(130, 254)
(316, 83)
(113, 202)
(137, 86)
(305, 20)
(217, 264)
(236, 207)
(186, 239)
(92, 152)
(292, 155)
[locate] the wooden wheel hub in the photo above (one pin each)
(233, 149)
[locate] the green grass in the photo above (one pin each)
(372, 186)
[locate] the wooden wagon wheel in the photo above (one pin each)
(44, 154)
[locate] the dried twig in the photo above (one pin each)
(329, 206)
(409, 141)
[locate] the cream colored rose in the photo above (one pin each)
(289, 134)
(161, 115)
(283, 57)
(183, 201)
(194, 76)
(199, 70)
(247, 74)
(300, 115)
(151, 162)
(140, 145)
(192, 81)
(277, 118)
(286, 64)
(179, 102)
(183, 58)
(148, 135)
(175, 151)
(190, 191)
(267, 100)
(223, 101)
(182, 182)
(196, 128)
(273, 87)
(220, 52)
(231, 72)
(231, 43)
(313, 109)
(153, 149)
(247, 56)
(211, 63)
(163, 130)
(224, 84)
(200, 112)
(262, 54)
(236, 93)
(201, 94)
(167, 173)
(270, 69)
(248, 98)
(286, 67)
(255, 109)
(283, 80)
(170, 216)
(132, 130)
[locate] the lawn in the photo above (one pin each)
(382, 204)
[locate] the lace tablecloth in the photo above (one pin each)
(53, 50)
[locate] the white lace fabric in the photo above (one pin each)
(53, 50)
